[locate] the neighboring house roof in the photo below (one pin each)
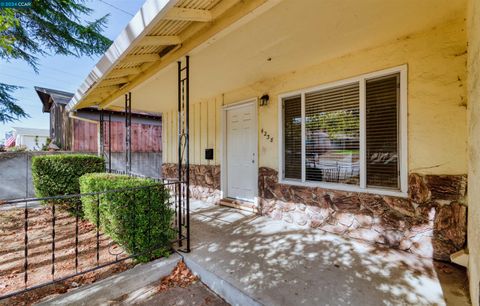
(50, 96)
(21, 131)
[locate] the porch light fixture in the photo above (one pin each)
(264, 100)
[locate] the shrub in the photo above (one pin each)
(55, 175)
(135, 213)
(17, 149)
(46, 144)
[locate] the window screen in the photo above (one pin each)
(332, 128)
(292, 130)
(325, 144)
(382, 103)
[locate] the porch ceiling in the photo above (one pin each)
(262, 41)
(160, 33)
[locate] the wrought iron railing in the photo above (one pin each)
(137, 175)
(47, 243)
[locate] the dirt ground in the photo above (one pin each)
(40, 268)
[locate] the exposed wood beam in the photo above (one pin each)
(99, 94)
(155, 14)
(106, 89)
(115, 81)
(141, 58)
(238, 13)
(123, 72)
(96, 98)
(160, 41)
(177, 13)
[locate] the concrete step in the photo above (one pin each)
(137, 284)
(230, 293)
(111, 288)
(239, 204)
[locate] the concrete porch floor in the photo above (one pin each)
(276, 263)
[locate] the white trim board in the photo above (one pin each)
(403, 134)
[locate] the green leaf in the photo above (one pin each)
(139, 220)
(49, 27)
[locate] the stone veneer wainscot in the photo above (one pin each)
(431, 222)
(204, 180)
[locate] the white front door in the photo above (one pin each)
(241, 152)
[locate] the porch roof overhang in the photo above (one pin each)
(242, 43)
(160, 33)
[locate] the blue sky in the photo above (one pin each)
(61, 72)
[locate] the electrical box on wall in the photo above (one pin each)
(209, 154)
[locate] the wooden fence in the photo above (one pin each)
(145, 137)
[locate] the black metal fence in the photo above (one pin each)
(43, 244)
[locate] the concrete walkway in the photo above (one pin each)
(276, 263)
(116, 286)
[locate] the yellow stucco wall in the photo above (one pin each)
(437, 129)
(205, 132)
(474, 153)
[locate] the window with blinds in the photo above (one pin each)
(382, 101)
(292, 131)
(332, 132)
(350, 134)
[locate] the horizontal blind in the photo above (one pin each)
(382, 102)
(332, 126)
(292, 129)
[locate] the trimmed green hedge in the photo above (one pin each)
(138, 217)
(55, 175)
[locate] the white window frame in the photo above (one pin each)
(403, 141)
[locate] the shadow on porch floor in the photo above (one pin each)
(277, 263)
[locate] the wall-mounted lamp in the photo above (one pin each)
(264, 100)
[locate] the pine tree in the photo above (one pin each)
(49, 27)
